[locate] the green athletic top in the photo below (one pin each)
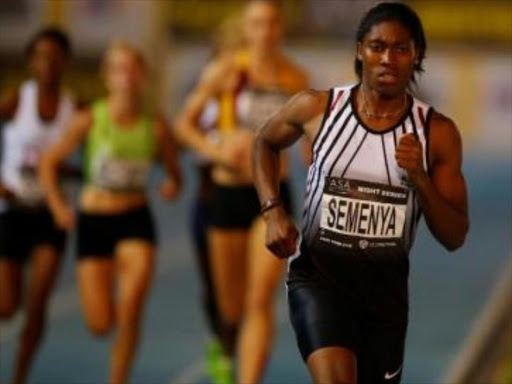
(119, 158)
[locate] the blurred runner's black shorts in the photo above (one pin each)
(238, 206)
(22, 229)
(99, 234)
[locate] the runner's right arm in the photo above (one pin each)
(187, 129)
(301, 115)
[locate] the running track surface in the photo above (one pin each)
(447, 292)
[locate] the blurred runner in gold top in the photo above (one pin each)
(249, 86)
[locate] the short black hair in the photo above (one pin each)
(53, 33)
(405, 16)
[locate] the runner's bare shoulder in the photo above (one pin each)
(306, 109)
(444, 136)
(442, 125)
(297, 76)
(312, 100)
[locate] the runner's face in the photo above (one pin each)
(47, 62)
(124, 73)
(263, 26)
(388, 56)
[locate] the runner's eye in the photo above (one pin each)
(377, 47)
(402, 49)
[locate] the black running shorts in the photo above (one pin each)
(22, 229)
(236, 207)
(325, 315)
(98, 234)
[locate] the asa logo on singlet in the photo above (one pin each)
(360, 214)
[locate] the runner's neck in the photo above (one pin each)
(379, 105)
(123, 110)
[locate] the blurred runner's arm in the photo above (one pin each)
(8, 105)
(187, 129)
(301, 115)
(442, 193)
(168, 153)
(53, 157)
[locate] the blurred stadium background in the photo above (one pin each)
(461, 320)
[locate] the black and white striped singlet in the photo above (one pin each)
(358, 200)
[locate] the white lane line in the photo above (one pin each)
(191, 374)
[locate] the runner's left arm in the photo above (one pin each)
(442, 192)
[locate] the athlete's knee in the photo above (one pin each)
(100, 326)
(336, 380)
(100, 329)
(130, 308)
(130, 318)
(333, 365)
(231, 311)
(333, 377)
(342, 379)
(260, 303)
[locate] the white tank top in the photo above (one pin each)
(357, 198)
(24, 138)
